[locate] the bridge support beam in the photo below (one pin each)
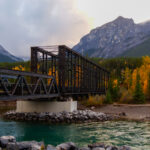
(45, 106)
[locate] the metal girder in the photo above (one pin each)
(20, 87)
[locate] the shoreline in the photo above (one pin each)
(129, 112)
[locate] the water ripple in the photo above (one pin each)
(134, 134)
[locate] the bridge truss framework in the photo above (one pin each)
(55, 71)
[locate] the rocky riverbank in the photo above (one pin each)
(10, 143)
(79, 116)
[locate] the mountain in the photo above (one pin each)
(121, 37)
(139, 50)
(5, 56)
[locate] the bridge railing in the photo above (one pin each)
(19, 84)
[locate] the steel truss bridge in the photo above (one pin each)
(56, 71)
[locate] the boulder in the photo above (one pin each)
(96, 145)
(112, 148)
(29, 145)
(85, 148)
(11, 146)
(26, 145)
(98, 148)
(66, 146)
(50, 147)
(36, 147)
(4, 140)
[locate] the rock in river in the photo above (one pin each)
(4, 140)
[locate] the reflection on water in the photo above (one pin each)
(134, 134)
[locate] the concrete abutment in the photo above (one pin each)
(46, 106)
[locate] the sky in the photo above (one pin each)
(26, 23)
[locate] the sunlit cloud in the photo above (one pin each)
(102, 11)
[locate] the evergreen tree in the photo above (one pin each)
(108, 97)
(113, 89)
(138, 94)
(148, 87)
(110, 86)
(115, 93)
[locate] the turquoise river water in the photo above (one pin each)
(134, 134)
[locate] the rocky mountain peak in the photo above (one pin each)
(121, 19)
(113, 38)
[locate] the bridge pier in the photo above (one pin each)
(46, 106)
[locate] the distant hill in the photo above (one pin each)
(5, 56)
(121, 37)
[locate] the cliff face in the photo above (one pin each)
(114, 38)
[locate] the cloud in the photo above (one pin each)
(25, 23)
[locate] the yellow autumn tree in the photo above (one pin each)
(19, 68)
(143, 71)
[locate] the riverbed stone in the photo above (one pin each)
(35, 147)
(11, 146)
(66, 146)
(112, 148)
(50, 147)
(78, 116)
(96, 145)
(85, 148)
(25, 145)
(98, 148)
(29, 145)
(4, 140)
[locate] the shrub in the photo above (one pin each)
(126, 96)
(96, 100)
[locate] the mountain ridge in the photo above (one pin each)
(113, 38)
(5, 56)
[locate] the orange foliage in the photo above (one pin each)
(19, 68)
(115, 83)
(143, 71)
(50, 73)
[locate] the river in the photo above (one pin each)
(134, 134)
